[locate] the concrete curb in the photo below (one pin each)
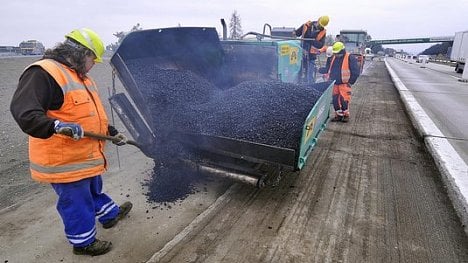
(453, 169)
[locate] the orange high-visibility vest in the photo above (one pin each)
(345, 72)
(60, 159)
(320, 35)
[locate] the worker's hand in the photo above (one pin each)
(120, 139)
(73, 130)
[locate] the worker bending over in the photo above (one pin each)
(313, 36)
(344, 69)
(54, 103)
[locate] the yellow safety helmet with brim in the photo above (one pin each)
(337, 47)
(323, 21)
(90, 40)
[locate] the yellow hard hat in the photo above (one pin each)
(323, 21)
(337, 47)
(89, 39)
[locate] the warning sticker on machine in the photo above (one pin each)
(293, 56)
(310, 128)
(284, 50)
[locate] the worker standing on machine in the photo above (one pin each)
(54, 103)
(343, 68)
(313, 34)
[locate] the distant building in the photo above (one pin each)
(32, 47)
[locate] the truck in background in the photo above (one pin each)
(459, 50)
(423, 59)
(355, 43)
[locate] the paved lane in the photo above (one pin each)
(442, 96)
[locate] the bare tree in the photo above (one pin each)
(136, 27)
(235, 27)
(121, 35)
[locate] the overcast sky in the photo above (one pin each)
(49, 20)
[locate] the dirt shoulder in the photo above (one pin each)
(31, 229)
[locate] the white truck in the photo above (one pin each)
(460, 50)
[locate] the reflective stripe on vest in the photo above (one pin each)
(306, 26)
(67, 167)
(345, 72)
(320, 35)
(60, 159)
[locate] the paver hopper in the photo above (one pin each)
(171, 72)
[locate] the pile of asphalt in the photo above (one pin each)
(267, 112)
(171, 181)
(168, 185)
(166, 89)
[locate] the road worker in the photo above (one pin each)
(55, 96)
(344, 69)
(313, 34)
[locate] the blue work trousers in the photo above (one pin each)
(311, 72)
(309, 69)
(79, 203)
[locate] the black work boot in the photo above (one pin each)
(337, 118)
(345, 119)
(123, 211)
(96, 248)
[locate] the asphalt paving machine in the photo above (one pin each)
(153, 66)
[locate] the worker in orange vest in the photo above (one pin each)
(343, 68)
(313, 36)
(55, 96)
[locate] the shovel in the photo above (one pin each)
(104, 137)
(98, 136)
(146, 149)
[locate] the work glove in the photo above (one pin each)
(120, 139)
(73, 130)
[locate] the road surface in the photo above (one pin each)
(370, 192)
(442, 96)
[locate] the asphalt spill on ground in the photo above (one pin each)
(267, 112)
(169, 184)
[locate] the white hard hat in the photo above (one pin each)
(329, 51)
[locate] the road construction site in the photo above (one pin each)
(369, 192)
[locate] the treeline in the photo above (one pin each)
(438, 49)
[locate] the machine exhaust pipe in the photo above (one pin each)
(264, 28)
(224, 28)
